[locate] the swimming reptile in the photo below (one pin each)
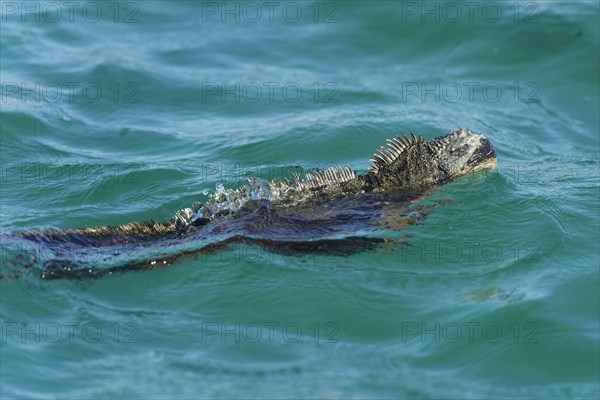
(317, 213)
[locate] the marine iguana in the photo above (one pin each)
(301, 214)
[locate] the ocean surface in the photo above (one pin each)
(114, 112)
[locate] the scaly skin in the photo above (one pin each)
(407, 165)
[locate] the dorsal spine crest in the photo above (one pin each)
(330, 176)
(385, 156)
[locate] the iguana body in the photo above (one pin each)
(298, 215)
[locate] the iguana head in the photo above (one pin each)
(414, 163)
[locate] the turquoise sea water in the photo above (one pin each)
(113, 112)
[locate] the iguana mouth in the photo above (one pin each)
(490, 163)
(483, 157)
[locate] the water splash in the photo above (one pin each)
(226, 201)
